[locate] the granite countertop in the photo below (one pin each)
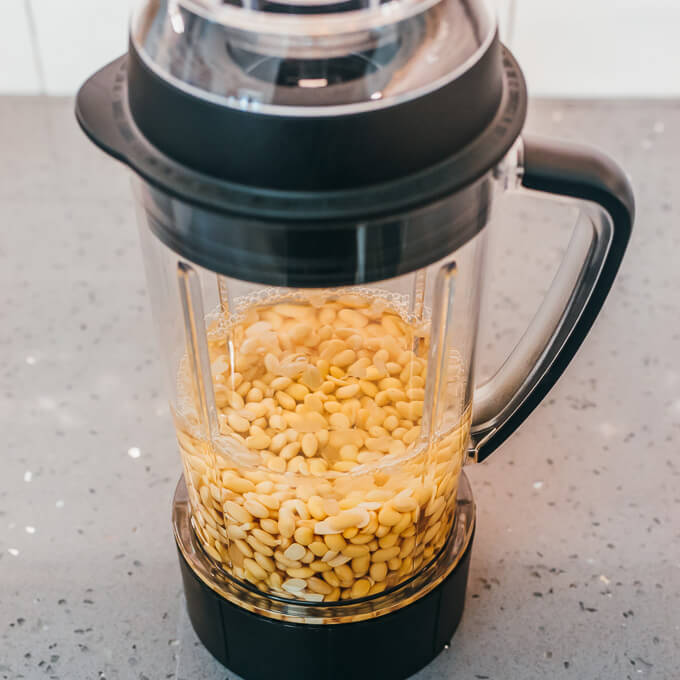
(576, 566)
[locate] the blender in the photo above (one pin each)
(314, 182)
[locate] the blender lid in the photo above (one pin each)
(298, 97)
(311, 179)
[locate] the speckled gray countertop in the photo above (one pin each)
(576, 566)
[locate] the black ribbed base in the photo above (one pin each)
(390, 647)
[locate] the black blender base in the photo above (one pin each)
(389, 647)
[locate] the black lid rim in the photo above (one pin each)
(315, 153)
(103, 112)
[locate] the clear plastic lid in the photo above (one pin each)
(310, 57)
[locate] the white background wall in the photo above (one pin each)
(571, 48)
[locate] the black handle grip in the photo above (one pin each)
(585, 174)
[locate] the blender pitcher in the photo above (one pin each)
(314, 182)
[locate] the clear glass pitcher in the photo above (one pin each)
(313, 201)
(323, 430)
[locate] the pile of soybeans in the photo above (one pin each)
(319, 486)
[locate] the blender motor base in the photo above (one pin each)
(389, 647)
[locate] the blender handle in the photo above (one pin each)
(577, 293)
